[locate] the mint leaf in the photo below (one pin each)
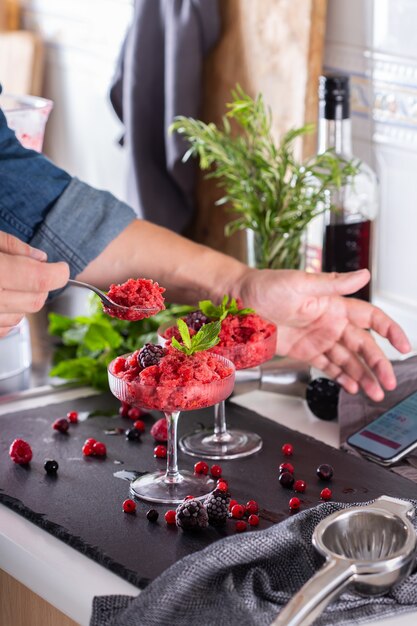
(58, 323)
(225, 308)
(178, 346)
(206, 338)
(184, 332)
(210, 309)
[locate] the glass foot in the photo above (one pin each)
(233, 444)
(155, 488)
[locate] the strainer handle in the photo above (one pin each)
(309, 602)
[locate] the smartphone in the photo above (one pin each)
(391, 436)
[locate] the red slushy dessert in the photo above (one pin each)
(176, 381)
(140, 298)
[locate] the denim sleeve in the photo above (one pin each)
(29, 185)
(81, 223)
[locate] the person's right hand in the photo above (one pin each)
(25, 280)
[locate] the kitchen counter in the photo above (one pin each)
(65, 578)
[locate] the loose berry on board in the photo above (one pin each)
(99, 449)
(240, 526)
(129, 506)
(251, 507)
(286, 479)
(170, 517)
(160, 452)
(286, 467)
(140, 426)
(134, 413)
(253, 520)
(223, 485)
(61, 425)
(216, 471)
(90, 441)
(201, 467)
(232, 504)
(50, 466)
(324, 471)
(191, 515)
(72, 417)
(87, 449)
(294, 503)
(152, 515)
(20, 452)
(300, 486)
(132, 434)
(287, 449)
(124, 409)
(326, 494)
(159, 430)
(237, 511)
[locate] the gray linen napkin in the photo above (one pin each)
(244, 580)
(356, 411)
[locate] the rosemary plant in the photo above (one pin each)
(269, 191)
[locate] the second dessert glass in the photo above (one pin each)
(172, 486)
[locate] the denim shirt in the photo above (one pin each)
(29, 185)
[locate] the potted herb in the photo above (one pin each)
(273, 196)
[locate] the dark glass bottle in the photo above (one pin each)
(347, 238)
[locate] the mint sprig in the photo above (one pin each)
(227, 307)
(206, 338)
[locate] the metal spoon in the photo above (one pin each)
(131, 313)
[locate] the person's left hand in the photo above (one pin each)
(316, 324)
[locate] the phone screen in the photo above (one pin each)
(390, 433)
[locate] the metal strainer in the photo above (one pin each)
(371, 547)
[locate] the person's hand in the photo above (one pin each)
(316, 324)
(25, 280)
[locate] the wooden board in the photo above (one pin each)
(273, 47)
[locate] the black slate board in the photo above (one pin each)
(82, 505)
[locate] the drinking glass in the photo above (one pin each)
(172, 486)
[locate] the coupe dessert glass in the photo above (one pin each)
(221, 442)
(172, 486)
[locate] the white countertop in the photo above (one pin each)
(33, 556)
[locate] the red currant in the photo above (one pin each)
(222, 485)
(216, 471)
(134, 413)
(170, 516)
(287, 449)
(87, 450)
(90, 442)
(160, 452)
(326, 494)
(20, 452)
(294, 503)
(72, 417)
(300, 486)
(124, 409)
(201, 467)
(251, 507)
(61, 425)
(286, 467)
(188, 498)
(129, 506)
(139, 425)
(237, 511)
(99, 449)
(232, 504)
(240, 526)
(253, 520)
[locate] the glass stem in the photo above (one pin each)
(220, 430)
(172, 474)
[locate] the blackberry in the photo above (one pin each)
(150, 354)
(132, 434)
(50, 466)
(322, 396)
(196, 320)
(217, 505)
(191, 515)
(152, 515)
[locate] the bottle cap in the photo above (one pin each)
(334, 96)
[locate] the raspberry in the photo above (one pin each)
(287, 449)
(72, 417)
(286, 467)
(152, 515)
(129, 506)
(139, 425)
(294, 503)
(326, 494)
(159, 430)
(300, 486)
(216, 471)
(150, 354)
(50, 466)
(240, 526)
(253, 520)
(20, 452)
(61, 425)
(217, 506)
(251, 507)
(160, 452)
(99, 449)
(191, 515)
(237, 511)
(124, 408)
(170, 516)
(201, 468)
(196, 319)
